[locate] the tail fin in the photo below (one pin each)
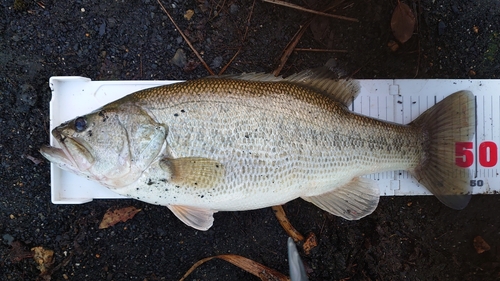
(449, 121)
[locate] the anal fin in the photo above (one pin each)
(353, 201)
(197, 218)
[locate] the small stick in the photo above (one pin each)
(242, 41)
(293, 6)
(289, 48)
(187, 40)
(418, 40)
(320, 50)
(285, 223)
(230, 62)
(295, 40)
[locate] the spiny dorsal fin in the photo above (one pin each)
(325, 80)
(194, 171)
(353, 201)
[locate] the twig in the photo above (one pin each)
(320, 50)
(285, 223)
(242, 41)
(296, 38)
(186, 39)
(289, 48)
(230, 62)
(293, 6)
(418, 39)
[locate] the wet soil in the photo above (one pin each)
(406, 238)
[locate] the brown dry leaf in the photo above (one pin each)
(44, 258)
(310, 243)
(480, 245)
(402, 22)
(285, 223)
(120, 215)
(189, 14)
(263, 272)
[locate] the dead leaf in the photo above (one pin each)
(120, 215)
(310, 243)
(263, 272)
(393, 45)
(44, 258)
(480, 245)
(189, 14)
(402, 22)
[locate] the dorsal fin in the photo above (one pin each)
(323, 79)
(327, 82)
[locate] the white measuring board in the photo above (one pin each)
(398, 101)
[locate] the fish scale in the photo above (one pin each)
(252, 141)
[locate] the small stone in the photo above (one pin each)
(216, 62)
(8, 239)
(441, 28)
(102, 29)
(233, 9)
(179, 58)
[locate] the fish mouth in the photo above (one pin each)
(73, 154)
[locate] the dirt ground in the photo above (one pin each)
(406, 238)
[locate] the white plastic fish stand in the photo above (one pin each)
(399, 101)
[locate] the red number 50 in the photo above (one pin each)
(487, 152)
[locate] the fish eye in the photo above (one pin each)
(80, 124)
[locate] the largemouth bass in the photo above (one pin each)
(252, 141)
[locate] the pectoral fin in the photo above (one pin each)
(194, 171)
(352, 201)
(201, 219)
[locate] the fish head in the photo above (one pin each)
(112, 146)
